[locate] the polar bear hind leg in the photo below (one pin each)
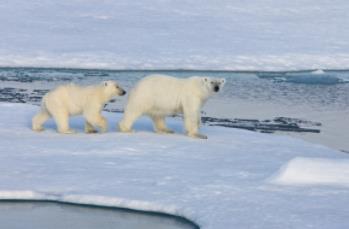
(39, 119)
(160, 125)
(62, 121)
(127, 121)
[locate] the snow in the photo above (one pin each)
(148, 34)
(314, 171)
(235, 179)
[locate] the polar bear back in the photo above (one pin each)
(164, 95)
(72, 98)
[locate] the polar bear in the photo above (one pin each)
(159, 96)
(69, 100)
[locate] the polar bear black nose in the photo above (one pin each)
(123, 92)
(216, 88)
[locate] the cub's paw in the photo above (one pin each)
(38, 129)
(91, 131)
(165, 131)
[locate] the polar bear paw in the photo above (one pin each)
(122, 128)
(38, 129)
(69, 131)
(197, 135)
(165, 131)
(91, 131)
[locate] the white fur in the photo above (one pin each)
(159, 96)
(69, 100)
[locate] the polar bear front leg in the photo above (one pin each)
(160, 125)
(192, 129)
(192, 122)
(97, 120)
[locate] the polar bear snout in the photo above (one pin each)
(112, 88)
(216, 88)
(122, 92)
(214, 84)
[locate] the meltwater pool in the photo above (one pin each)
(56, 215)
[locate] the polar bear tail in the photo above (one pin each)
(40, 118)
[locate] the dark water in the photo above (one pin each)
(312, 97)
(318, 91)
(51, 215)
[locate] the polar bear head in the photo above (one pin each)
(111, 88)
(213, 85)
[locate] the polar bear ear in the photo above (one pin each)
(222, 81)
(105, 83)
(205, 79)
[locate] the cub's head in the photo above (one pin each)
(213, 85)
(112, 88)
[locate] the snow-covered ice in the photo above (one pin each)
(148, 34)
(314, 171)
(227, 181)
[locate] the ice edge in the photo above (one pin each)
(100, 201)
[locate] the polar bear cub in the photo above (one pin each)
(159, 96)
(69, 100)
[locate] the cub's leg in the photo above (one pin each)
(62, 121)
(39, 119)
(97, 120)
(89, 128)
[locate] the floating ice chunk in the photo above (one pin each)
(318, 72)
(19, 194)
(314, 171)
(307, 78)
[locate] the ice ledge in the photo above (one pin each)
(98, 201)
(103, 201)
(314, 171)
(219, 183)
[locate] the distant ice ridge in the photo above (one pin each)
(225, 35)
(192, 62)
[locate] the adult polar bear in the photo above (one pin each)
(68, 100)
(159, 96)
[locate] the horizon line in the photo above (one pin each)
(169, 69)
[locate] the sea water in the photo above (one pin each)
(318, 96)
(51, 215)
